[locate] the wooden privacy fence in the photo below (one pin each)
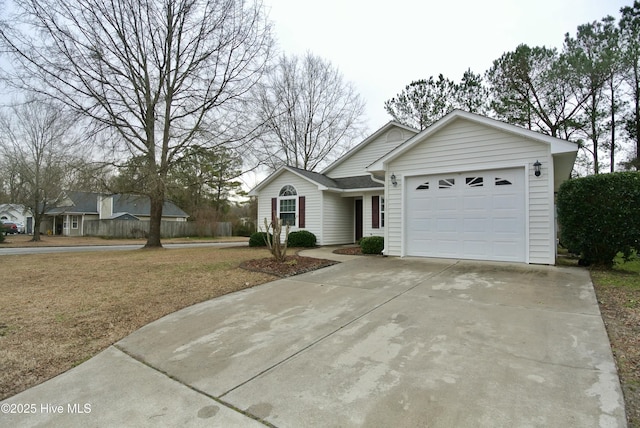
(140, 229)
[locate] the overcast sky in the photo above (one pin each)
(381, 46)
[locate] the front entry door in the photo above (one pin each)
(358, 219)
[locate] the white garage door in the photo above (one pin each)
(476, 215)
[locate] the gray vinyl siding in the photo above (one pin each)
(468, 146)
(338, 219)
(357, 163)
(304, 188)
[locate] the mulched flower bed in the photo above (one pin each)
(293, 265)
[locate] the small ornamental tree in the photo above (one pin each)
(277, 246)
(598, 216)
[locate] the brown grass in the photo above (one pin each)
(13, 241)
(57, 310)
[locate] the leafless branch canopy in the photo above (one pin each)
(311, 114)
(161, 73)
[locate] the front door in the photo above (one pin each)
(358, 219)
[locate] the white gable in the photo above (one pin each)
(381, 142)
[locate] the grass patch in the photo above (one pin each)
(58, 310)
(618, 292)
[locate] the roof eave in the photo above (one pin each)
(256, 190)
(556, 145)
(366, 141)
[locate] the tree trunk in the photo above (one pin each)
(153, 239)
(37, 219)
(36, 229)
(613, 125)
(156, 199)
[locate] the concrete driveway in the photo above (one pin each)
(373, 342)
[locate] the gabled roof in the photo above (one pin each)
(138, 205)
(14, 208)
(76, 203)
(123, 216)
(322, 181)
(363, 144)
(557, 145)
(87, 203)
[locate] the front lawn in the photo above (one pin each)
(58, 310)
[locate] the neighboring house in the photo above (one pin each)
(467, 187)
(17, 214)
(74, 209)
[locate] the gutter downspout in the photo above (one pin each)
(373, 177)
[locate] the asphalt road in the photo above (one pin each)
(86, 248)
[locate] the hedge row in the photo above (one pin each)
(300, 238)
(599, 216)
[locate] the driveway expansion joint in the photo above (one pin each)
(199, 391)
(331, 333)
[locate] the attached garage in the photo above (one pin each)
(473, 215)
(471, 187)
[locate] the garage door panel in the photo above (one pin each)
(444, 203)
(447, 247)
(474, 249)
(506, 225)
(477, 215)
(506, 251)
(508, 201)
(446, 225)
(475, 202)
(475, 225)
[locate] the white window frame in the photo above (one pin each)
(75, 220)
(288, 193)
(381, 212)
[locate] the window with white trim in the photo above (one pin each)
(381, 211)
(446, 183)
(74, 222)
(287, 205)
(502, 182)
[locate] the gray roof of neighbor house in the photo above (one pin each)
(141, 205)
(359, 182)
(81, 203)
(87, 203)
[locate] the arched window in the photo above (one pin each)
(288, 190)
(288, 205)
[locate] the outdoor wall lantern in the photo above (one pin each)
(536, 168)
(394, 180)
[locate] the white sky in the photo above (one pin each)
(381, 46)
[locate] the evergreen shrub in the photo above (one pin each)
(302, 238)
(372, 244)
(598, 216)
(259, 239)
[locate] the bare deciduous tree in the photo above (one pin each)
(311, 115)
(159, 75)
(40, 148)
